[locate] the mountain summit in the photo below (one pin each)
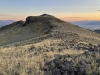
(42, 18)
(36, 26)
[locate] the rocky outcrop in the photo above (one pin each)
(97, 31)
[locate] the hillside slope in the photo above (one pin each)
(35, 26)
(45, 45)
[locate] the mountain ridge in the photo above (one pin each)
(35, 26)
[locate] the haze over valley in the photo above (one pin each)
(88, 24)
(5, 22)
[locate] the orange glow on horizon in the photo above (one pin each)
(65, 17)
(80, 19)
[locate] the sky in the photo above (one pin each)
(68, 10)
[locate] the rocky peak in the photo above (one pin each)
(44, 18)
(46, 15)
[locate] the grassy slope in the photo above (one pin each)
(39, 25)
(17, 32)
(32, 59)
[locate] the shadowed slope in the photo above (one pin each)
(19, 31)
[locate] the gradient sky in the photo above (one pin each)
(69, 10)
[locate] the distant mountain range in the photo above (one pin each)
(6, 22)
(93, 25)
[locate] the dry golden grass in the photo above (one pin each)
(23, 61)
(72, 52)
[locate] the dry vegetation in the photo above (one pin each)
(49, 57)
